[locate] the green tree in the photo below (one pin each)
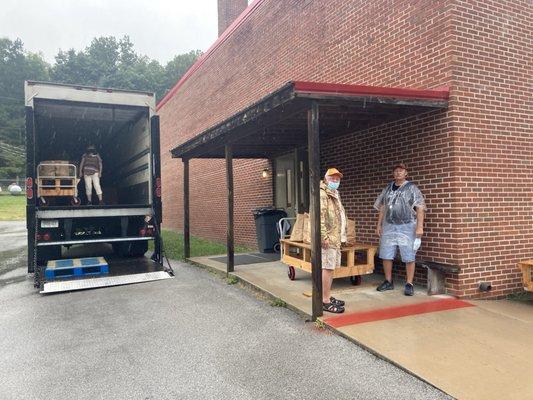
(16, 66)
(127, 54)
(176, 68)
(106, 62)
(71, 67)
(109, 62)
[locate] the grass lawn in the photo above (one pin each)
(12, 208)
(173, 243)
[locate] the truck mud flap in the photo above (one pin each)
(93, 283)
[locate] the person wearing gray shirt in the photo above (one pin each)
(401, 207)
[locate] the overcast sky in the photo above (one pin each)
(159, 29)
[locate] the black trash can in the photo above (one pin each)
(266, 220)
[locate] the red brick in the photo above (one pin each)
(473, 162)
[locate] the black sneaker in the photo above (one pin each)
(89, 203)
(409, 289)
(386, 285)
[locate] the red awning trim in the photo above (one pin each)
(375, 91)
(227, 33)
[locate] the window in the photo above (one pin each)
(289, 180)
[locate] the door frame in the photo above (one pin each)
(300, 177)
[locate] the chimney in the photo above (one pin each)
(228, 11)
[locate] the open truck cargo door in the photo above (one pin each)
(65, 237)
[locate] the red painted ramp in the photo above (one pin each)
(395, 312)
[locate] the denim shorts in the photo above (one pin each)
(398, 235)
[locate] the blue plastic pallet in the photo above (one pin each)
(76, 267)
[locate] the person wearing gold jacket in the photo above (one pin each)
(333, 234)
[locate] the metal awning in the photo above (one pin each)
(299, 114)
(278, 122)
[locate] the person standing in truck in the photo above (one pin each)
(91, 171)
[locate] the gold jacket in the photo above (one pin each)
(330, 216)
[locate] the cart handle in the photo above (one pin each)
(281, 226)
(281, 231)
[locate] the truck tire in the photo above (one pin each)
(47, 253)
(131, 249)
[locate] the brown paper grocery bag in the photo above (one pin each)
(307, 229)
(350, 232)
(297, 233)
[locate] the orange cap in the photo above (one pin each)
(333, 171)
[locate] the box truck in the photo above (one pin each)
(64, 228)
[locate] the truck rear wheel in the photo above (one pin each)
(47, 253)
(131, 249)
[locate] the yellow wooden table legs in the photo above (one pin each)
(356, 260)
(527, 274)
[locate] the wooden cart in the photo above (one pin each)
(356, 260)
(527, 274)
(57, 179)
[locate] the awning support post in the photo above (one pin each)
(230, 264)
(313, 143)
(186, 211)
(273, 177)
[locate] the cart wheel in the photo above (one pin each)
(356, 280)
(291, 273)
(75, 201)
(277, 247)
(42, 201)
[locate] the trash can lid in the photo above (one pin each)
(269, 211)
(263, 210)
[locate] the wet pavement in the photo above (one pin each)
(13, 252)
(469, 349)
(192, 337)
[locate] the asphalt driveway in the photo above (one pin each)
(192, 337)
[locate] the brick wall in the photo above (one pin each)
(470, 161)
(493, 141)
(366, 160)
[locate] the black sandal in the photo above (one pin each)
(332, 308)
(337, 302)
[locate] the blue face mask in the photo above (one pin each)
(333, 185)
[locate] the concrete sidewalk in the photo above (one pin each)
(470, 350)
